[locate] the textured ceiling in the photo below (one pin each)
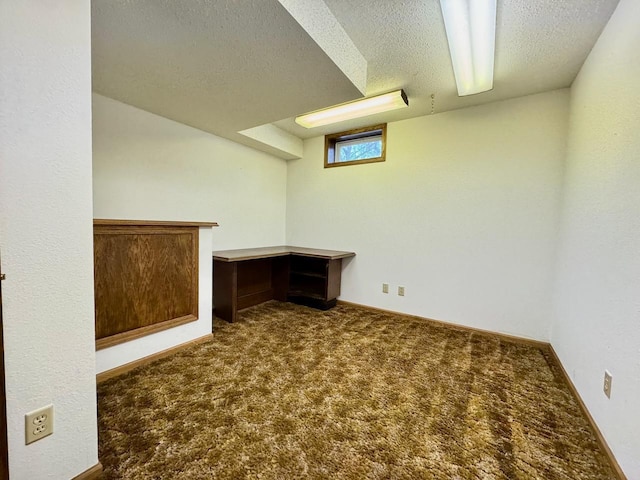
(221, 66)
(229, 65)
(540, 46)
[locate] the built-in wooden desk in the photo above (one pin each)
(249, 276)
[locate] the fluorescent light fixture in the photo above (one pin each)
(357, 109)
(471, 32)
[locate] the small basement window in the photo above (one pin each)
(365, 145)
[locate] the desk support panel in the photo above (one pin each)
(225, 290)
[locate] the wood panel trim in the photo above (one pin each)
(545, 346)
(127, 367)
(594, 427)
(502, 336)
(152, 223)
(93, 473)
(143, 230)
(123, 337)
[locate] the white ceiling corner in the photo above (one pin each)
(318, 21)
(274, 140)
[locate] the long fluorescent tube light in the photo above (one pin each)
(357, 109)
(471, 32)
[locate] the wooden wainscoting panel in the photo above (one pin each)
(225, 289)
(146, 279)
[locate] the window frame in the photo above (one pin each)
(331, 140)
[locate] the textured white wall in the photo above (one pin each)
(46, 232)
(597, 316)
(148, 167)
(463, 214)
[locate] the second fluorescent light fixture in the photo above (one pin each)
(471, 32)
(357, 109)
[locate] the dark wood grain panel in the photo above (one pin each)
(254, 276)
(146, 279)
(225, 290)
(256, 298)
(280, 277)
(334, 278)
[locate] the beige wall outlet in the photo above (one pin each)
(607, 383)
(38, 424)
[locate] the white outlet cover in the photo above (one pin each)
(608, 379)
(38, 424)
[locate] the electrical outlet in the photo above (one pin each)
(401, 291)
(38, 424)
(607, 384)
(385, 288)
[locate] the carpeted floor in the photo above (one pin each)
(291, 392)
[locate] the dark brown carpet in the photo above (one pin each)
(291, 392)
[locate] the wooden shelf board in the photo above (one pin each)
(152, 223)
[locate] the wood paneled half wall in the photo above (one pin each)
(146, 277)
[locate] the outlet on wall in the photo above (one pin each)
(607, 383)
(385, 288)
(401, 291)
(38, 424)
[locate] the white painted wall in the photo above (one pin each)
(46, 232)
(151, 168)
(463, 213)
(597, 310)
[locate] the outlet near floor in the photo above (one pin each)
(401, 291)
(607, 384)
(38, 424)
(385, 288)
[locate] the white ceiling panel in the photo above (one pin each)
(220, 66)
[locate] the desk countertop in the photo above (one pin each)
(279, 251)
